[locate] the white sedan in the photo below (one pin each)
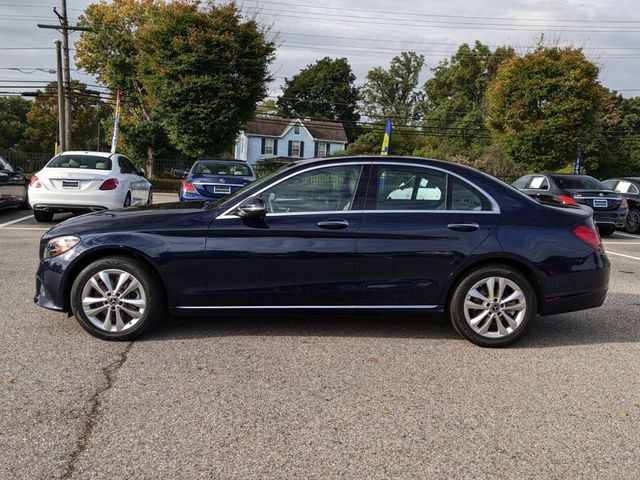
(85, 182)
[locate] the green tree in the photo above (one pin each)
(455, 95)
(88, 112)
(13, 120)
(544, 104)
(324, 91)
(191, 74)
(392, 93)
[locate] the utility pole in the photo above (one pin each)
(65, 28)
(62, 144)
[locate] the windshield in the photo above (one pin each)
(230, 198)
(87, 162)
(579, 183)
(222, 168)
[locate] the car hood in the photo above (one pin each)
(161, 216)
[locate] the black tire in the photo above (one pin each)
(606, 231)
(127, 200)
(42, 216)
(25, 205)
(150, 197)
(632, 224)
(492, 337)
(154, 299)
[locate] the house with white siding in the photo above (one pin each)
(269, 137)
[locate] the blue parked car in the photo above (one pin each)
(211, 179)
(349, 234)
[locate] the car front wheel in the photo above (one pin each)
(117, 298)
(492, 306)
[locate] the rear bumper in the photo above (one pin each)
(69, 208)
(615, 217)
(48, 200)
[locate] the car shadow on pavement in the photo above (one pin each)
(615, 322)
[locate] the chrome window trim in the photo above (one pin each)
(301, 307)
(494, 204)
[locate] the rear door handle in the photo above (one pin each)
(463, 227)
(333, 224)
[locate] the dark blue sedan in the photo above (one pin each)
(211, 179)
(359, 233)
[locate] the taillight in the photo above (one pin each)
(35, 182)
(109, 184)
(188, 187)
(624, 203)
(567, 200)
(588, 235)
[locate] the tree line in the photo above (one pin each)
(191, 75)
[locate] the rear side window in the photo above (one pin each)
(81, 162)
(537, 183)
(626, 187)
(415, 188)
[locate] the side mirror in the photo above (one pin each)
(252, 208)
(142, 173)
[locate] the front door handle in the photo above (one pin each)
(333, 224)
(463, 227)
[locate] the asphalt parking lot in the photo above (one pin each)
(313, 396)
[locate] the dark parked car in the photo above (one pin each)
(332, 234)
(213, 179)
(629, 188)
(609, 208)
(13, 187)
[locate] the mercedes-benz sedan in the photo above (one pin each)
(332, 234)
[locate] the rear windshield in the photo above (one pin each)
(87, 162)
(579, 183)
(222, 168)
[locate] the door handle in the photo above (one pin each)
(333, 224)
(463, 227)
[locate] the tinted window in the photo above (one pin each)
(5, 166)
(323, 190)
(579, 183)
(80, 161)
(537, 183)
(415, 188)
(521, 182)
(222, 168)
(126, 166)
(410, 188)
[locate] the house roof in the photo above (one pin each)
(277, 126)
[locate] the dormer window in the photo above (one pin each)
(296, 129)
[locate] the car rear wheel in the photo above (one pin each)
(42, 216)
(150, 197)
(117, 298)
(492, 306)
(632, 224)
(25, 205)
(127, 200)
(606, 231)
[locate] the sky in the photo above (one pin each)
(370, 33)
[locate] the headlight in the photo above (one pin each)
(58, 246)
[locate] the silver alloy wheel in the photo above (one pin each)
(114, 300)
(633, 221)
(495, 307)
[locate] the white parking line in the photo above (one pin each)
(637, 237)
(15, 221)
(622, 255)
(621, 243)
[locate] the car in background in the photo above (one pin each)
(325, 235)
(609, 208)
(13, 187)
(81, 182)
(629, 188)
(211, 179)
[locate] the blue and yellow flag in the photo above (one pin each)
(385, 141)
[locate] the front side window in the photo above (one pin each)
(415, 188)
(126, 166)
(329, 189)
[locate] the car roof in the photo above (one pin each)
(87, 153)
